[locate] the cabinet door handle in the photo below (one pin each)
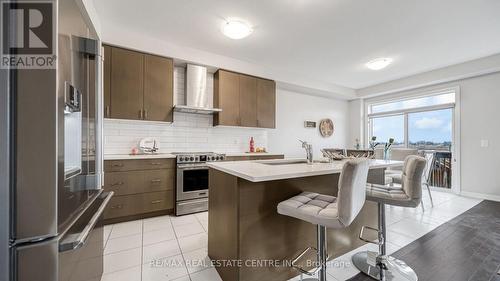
(107, 111)
(141, 114)
(118, 165)
(155, 180)
(155, 163)
(117, 183)
(156, 201)
(120, 206)
(145, 114)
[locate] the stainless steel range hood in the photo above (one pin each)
(198, 99)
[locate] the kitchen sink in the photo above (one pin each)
(290, 162)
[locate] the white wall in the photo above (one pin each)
(89, 7)
(356, 122)
(295, 108)
(188, 132)
(480, 100)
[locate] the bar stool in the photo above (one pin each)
(426, 176)
(329, 211)
(408, 195)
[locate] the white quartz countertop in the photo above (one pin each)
(168, 155)
(263, 170)
(253, 154)
(138, 156)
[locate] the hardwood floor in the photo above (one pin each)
(465, 248)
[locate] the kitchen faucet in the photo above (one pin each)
(309, 151)
(155, 148)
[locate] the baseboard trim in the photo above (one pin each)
(481, 196)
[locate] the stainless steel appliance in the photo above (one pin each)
(192, 181)
(53, 190)
(198, 99)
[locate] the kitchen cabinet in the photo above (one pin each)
(158, 80)
(245, 100)
(266, 103)
(137, 86)
(227, 98)
(248, 101)
(127, 84)
(143, 188)
(107, 81)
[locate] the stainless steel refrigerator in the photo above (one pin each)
(51, 154)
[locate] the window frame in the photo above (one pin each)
(406, 112)
(417, 93)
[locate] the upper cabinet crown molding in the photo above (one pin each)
(137, 86)
(245, 100)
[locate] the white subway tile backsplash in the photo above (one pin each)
(188, 132)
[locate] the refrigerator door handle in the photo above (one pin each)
(83, 236)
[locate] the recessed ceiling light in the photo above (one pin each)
(236, 29)
(379, 63)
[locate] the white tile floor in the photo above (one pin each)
(175, 248)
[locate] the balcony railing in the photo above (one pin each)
(441, 169)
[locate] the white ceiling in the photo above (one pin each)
(329, 40)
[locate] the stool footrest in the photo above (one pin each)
(368, 240)
(314, 270)
(302, 270)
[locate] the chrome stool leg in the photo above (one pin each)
(322, 256)
(379, 266)
(430, 195)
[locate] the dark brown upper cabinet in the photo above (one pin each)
(137, 86)
(227, 98)
(158, 81)
(107, 82)
(127, 84)
(266, 103)
(245, 100)
(248, 101)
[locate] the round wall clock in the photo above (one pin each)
(326, 127)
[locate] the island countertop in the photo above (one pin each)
(268, 170)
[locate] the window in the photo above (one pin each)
(405, 104)
(389, 127)
(431, 130)
(424, 122)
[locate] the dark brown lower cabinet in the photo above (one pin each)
(143, 188)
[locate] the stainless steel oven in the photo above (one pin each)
(192, 182)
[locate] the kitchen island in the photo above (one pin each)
(249, 241)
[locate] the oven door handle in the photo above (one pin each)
(192, 167)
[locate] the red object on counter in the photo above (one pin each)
(252, 145)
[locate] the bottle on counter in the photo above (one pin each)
(252, 145)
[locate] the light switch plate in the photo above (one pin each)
(485, 143)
